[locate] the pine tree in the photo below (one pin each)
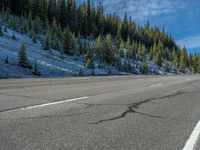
(128, 49)
(1, 31)
(198, 65)
(125, 66)
(90, 63)
(80, 73)
(99, 51)
(36, 70)
(195, 63)
(124, 28)
(62, 12)
(121, 50)
(183, 60)
(108, 52)
(14, 37)
(34, 8)
(89, 27)
(90, 59)
(43, 9)
(33, 36)
(6, 60)
(92, 73)
(133, 51)
(119, 63)
(47, 41)
(23, 61)
(144, 66)
(151, 54)
(118, 40)
(143, 52)
(5, 29)
(51, 10)
(158, 54)
(175, 59)
(68, 42)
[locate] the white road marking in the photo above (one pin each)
(192, 141)
(54, 103)
(188, 79)
(156, 85)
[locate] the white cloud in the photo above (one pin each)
(191, 42)
(141, 9)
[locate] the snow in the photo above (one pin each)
(52, 63)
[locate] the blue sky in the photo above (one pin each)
(179, 17)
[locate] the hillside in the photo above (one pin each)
(54, 63)
(51, 63)
(60, 38)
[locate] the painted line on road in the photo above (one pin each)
(55, 103)
(192, 141)
(188, 79)
(43, 105)
(156, 85)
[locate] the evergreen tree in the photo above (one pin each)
(89, 27)
(33, 36)
(14, 37)
(175, 59)
(36, 70)
(195, 63)
(118, 40)
(51, 10)
(121, 50)
(5, 29)
(151, 54)
(144, 66)
(47, 41)
(90, 63)
(62, 12)
(68, 42)
(81, 74)
(125, 66)
(6, 60)
(119, 63)
(99, 48)
(43, 9)
(23, 61)
(143, 52)
(34, 8)
(124, 28)
(183, 60)
(108, 52)
(198, 65)
(158, 54)
(90, 59)
(1, 31)
(128, 49)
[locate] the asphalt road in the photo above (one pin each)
(102, 113)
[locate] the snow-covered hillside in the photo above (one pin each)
(53, 63)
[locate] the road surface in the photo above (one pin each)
(102, 113)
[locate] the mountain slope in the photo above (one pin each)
(53, 63)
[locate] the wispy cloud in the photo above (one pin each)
(190, 42)
(141, 9)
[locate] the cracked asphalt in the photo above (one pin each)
(119, 113)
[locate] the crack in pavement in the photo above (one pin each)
(133, 106)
